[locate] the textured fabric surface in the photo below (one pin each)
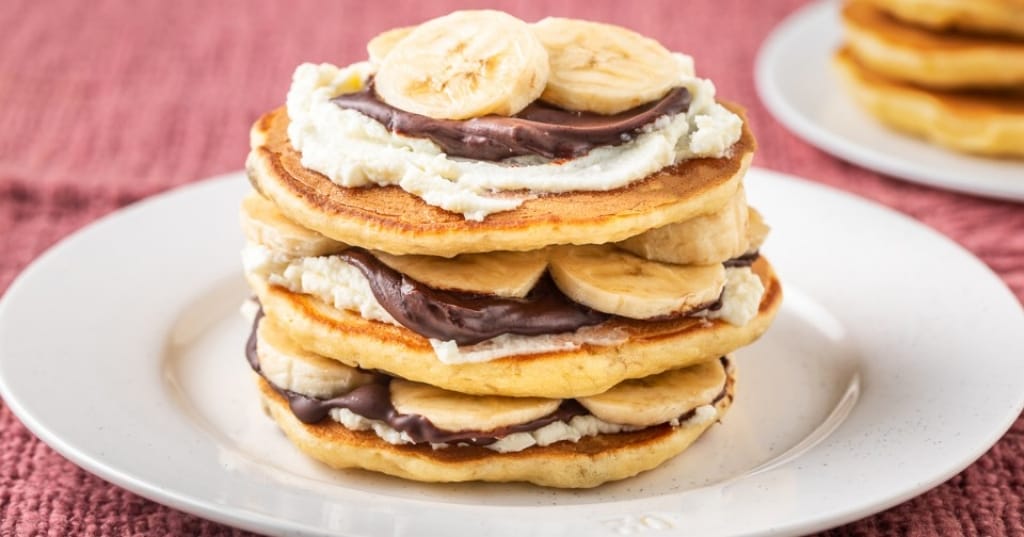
(103, 103)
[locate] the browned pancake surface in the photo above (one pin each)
(931, 59)
(988, 17)
(390, 219)
(863, 14)
(984, 123)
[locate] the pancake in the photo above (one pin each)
(587, 463)
(998, 17)
(651, 347)
(392, 220)
(550, 355)
(931, 59)
(989, 124)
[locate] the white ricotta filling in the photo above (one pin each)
(336, 282)
(741, 297)
(575, 429)
(504, 345)
(329, 278)
(353, 150)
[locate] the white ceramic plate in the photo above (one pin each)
(798, 85)
(893, 364)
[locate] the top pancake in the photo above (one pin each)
(395, 221)
(937, 60)
(993, 17)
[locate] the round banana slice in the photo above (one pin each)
(453, 411)
(757, 230)
(614, 281)
(285, 365)
(505, 274)
(380, 46)
(604, 68)
(264, 224)
(658, 398)
(464, 65)
(704, 240)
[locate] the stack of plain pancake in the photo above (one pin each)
(578, 337)
(949, 71)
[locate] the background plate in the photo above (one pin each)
(796, 81)
(122, 348)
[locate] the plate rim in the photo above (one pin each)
(92, 465)
(808, 130)
(256, 521)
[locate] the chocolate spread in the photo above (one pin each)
(373, 401)
(744, 260)
(469, 318)
(540, 129)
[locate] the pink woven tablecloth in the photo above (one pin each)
(103, 103)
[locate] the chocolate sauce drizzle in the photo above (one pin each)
(540, 129)
(744, 260)
(470, 318)
(373, 401)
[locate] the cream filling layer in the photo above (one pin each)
(741, 298)
(353, 150)
(574, 430)
(338, 283)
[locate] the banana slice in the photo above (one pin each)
(505, 274)
(264, 224)
(604, 68)
(287, 366)
(704, 240)
(757, 230)
(464, 65)
(380, 46)
(453, 411)
(618, 282)
(658, 398)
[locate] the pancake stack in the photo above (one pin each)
(949, 71)
(501, 251)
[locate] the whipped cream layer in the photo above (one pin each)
(340, 284)
(353, 150)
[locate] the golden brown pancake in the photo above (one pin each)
(395, 221)
(931, 59)
(651, 347)
(981, 123)
(994, 17)
(587, 463)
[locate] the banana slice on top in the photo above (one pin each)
(379, 47)
(658, 398)
(288, 366)
(453, 411)
(464, 65)
(264, 224)
(614, 281)
(504, 274)
(703, 240)
(604, 68)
